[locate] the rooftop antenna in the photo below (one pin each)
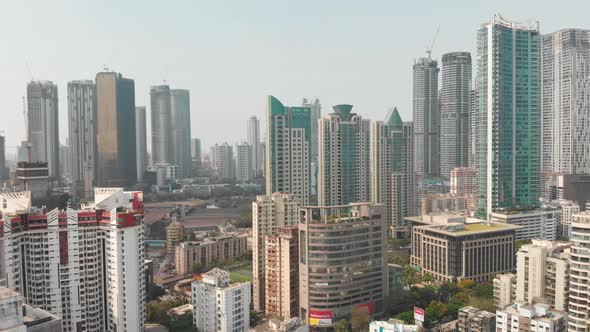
(429, 49)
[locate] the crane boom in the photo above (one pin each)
(429, 49)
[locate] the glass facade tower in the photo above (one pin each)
(508, 116)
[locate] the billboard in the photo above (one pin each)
(419, 314)
(320, 317)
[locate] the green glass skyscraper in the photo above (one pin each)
(344, 158)
(288, 137)
(508, 115)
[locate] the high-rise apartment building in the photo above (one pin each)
(20, 317)
(288, 140)
(180, 117)
(543, 274)
(82, 135)
(579, 306)
(208, 251)
(3, 169)
(174, 235)
(43, 124)
(85, 266)
(244, 163)
(196, 152)
(316, 114)
(161, 119)
(344, 158)
(282, 273)
(268, 213)
(253, 141)
(426, 117)
(454, 125)
(565, 108)
(223, 161)
(463, 182)
(115, 131)
(219, 305)
(337, 280)
(141, 141)
(568, 209)
(472, 135)
(504, 290)
(508, 116)
(392, 174)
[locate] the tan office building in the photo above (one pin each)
(453, 247)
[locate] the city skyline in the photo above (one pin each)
(251, 77)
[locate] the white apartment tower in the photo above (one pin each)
(268, 213)
(85, 266)
(244, 163)
(316, 114)
(566, 101)
(219, 305)
(253, 141)
(579, 306)
(82, 134)
(43, 124)
(223, 160)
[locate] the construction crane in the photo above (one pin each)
(429, 49)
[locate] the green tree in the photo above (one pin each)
(428, 278)
(409, 276)
(466, 283)
(483, 291)
(406, 316)
(435, 311)
(341, 326)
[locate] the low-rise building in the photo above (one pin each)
(392, 325)
(568, 209)
(15, 316)
(433, 203)
(523, 317)
(454, 247)
(471, 319)
(219, 305)
(534, 224)
(208, 251)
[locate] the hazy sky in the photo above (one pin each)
(231, 54)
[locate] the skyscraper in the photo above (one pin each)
(181, 130)
(196, 152)
(344, 158)
(43, 124)
(316, 114)
(565, 107)
(426, 118)
(82, 134)
(115, 137)
(471, 135)
(254, 143)
(3, 170)
(288, 137)
(244, 164)
(456, 80)
(508, 116)
(141, 141)
(268, 213)
(392, 175)
(161, 116)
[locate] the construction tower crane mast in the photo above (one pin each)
(28, 141)
(429, 49)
